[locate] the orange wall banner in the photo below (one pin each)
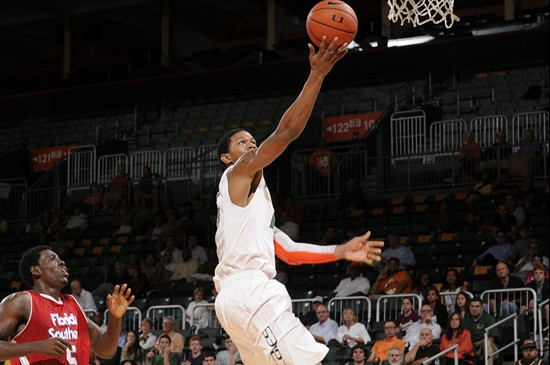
(349, 127)
(45, 158)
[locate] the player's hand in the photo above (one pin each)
(119, 301)
(360, 249)
(53, 346)
(327, 56)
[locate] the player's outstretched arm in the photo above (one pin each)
(358, 249)
(295, 118)
(104, 344)
(15, 309)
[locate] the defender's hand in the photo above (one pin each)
(119, 301)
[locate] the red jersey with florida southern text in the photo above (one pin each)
(51, 318)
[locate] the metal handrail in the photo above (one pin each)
(418, 297)
(438, 355)
(486, 355)
(541, 329)
(360, 297)
(515, 290)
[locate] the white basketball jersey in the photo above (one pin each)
(244, 235)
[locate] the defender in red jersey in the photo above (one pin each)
(46, 327)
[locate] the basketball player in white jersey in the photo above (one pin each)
(254, 309)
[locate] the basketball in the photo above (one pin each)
(331, 19)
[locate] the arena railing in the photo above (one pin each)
(486, 354)
(440, 354)
(542, 330)
(13, 204)
(392, 304)
(513, 299)
(360, 304)
(131, 320)
(301, 307)
(158, 312)
(206, 319)
(453, 295)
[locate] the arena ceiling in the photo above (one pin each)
(32, 31)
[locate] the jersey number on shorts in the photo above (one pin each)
(71, 356)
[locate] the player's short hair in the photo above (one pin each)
(30, 258)
(223, 143)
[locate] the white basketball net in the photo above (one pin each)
(418, 12)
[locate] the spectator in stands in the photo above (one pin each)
(229, 355)
(457, 334)
(197, 251)
(506, 303)
(196, 356)
(522, 244)
(118, 189)
(143, 218)
(176, 339)
(324, 161)
(192, 315)
(280, 267)
(434, 300)
(483, 189)
(476, 321)
(358, 356)
(330, 237)
(427, 320)
(396, 356)
(119, 275)
(537, 260)
(58, 244)
(324, 331)
(354, 285)
(171, 225)
(530, 353)
(462, 304)
(352, 198)
(528, 195)
(209, 266)
(502, 251)
(442, 221)
(151, 268)
(94, 200)
(186, 268)
(288, 226)
(167, 261)
(529, 155)
(396, 250)
(163, 350)
(503, 185)
(78, 222)
(186, 214)
(124, 217)
(408, 315)
(516, 210)
(505, 222)
(99, 319)
(379, 351)
(529, 144)
(452, 283)
(352, 332)
(155, 232)
(470, 223)
(296, 213)
(310, 318)
(423, 349)
(138, 281)
(131, 351)
(209, 359)
(496, 156)
(424, 282)
(146, 189)
(3, 226)
(392, 280)
(469, 157)
(82, 296)
(540, 285)
(525, 264)
(537, 91)
(146, 339)
(170, 243)
(48, 223)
